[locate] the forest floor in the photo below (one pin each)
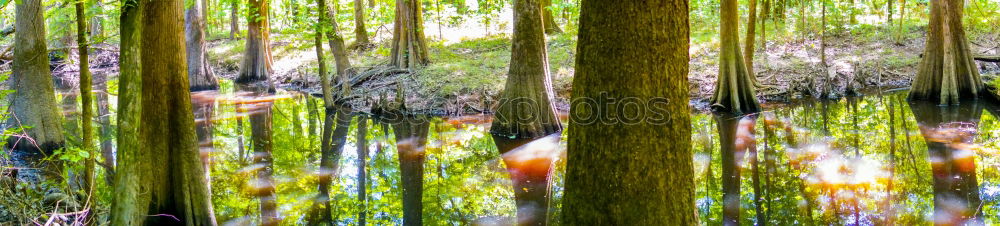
(467, 75)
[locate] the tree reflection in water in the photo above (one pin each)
(862, 162)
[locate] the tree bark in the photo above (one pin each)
(33, 104)
(199, 70)
(169, 182)
(336, 43)
(734, 88)
(86, 97)
(526, 112)
(409, 46)
(130, 159)
(748, 48)
(256, 65)
(234, 19)
(360, 33)
(657, 168)
(551, 27)
(947, 72)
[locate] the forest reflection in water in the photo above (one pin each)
(863, 160)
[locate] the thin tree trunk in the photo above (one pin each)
(106, 131)
(336, 43)
(360, 33)
(749, 49)
(234, 19)
(734, 87)
(822, 35)
(86, 98)
(612, 36)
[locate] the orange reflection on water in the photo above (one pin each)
(535, 158)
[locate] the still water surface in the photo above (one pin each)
(864, 160)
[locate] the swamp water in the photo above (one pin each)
(865, 160)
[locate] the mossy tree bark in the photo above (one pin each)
(526, 112)
(360, 33)
(619, 57)
(86, 96)
(409, 46)
(551, 27)
(734, 87)
(947, 72)
(33, 104)
(256, 65)
(130, 158)
(167, 176)
(948, 131)
(199, 70)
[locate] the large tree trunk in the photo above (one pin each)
(949, 131)
(604, 182)
(947, 72)
(526, 113)
(130, 159)
(86, 97)
(734, 87)
(551, 27)
(360, 33)
(199, 71)
(256, 65)
(169, 181)
(33, 103)
(409, 47)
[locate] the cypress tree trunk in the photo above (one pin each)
(949, 130)
(947, 72)
(168, 180)
(653, 181)
(256, 65)
(551, 27)
(199, 71)
(360, 33)
(362, 139)
(734, 88)
(33, 104)
(748, 48)
(130, 158)
(526, 112)
(736, 138)
(86, 97)
(409, 47)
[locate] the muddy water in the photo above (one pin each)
(865, 160)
